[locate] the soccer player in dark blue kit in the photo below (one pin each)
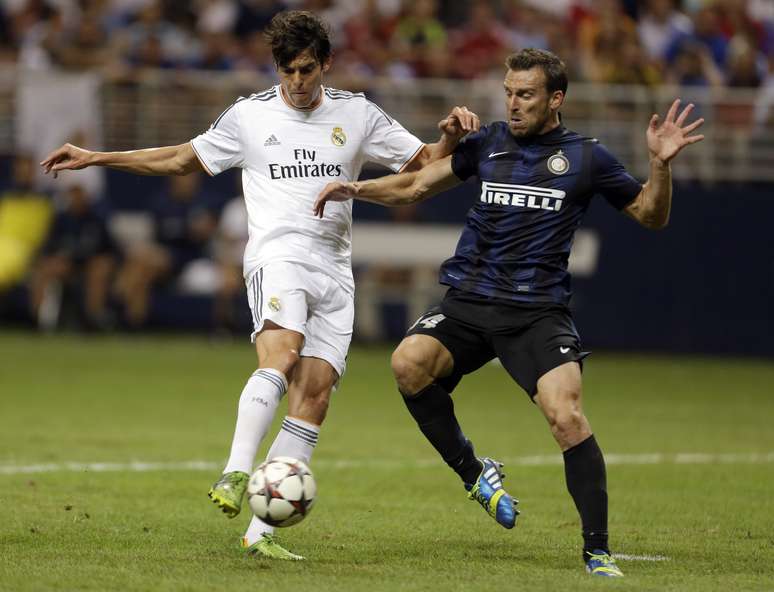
(509, 287)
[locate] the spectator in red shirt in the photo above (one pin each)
(481, 44)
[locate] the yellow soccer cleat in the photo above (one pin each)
(600, 563)
(228, 491)
(267, 546)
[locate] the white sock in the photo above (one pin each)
(257, 406)
(297, 439)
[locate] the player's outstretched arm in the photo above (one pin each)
(168, 160)
(393, 190)
(665, 141)
(455, 126)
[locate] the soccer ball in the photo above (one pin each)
(282, 491)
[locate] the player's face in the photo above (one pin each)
(301, 80)
(531, 109)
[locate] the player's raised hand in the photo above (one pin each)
(336, 191)
(459, 122)
(66, 157)
(672, 135)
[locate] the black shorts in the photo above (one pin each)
(529, 339)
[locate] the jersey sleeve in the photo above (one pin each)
(220, 147)
(610, 179)
(465, 157)
(387, 142)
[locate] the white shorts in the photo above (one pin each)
(304, 299)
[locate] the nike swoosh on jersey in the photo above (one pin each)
(496, 154)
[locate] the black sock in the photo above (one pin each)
(433, 410)
(584, 469)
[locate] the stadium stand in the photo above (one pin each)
(138, 73)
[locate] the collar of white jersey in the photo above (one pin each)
(306, 109)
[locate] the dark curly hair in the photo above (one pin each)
(552, 66)
(291, 32)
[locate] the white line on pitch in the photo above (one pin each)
(111, 467)
(682, 458)
(624, 557)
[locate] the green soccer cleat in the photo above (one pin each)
(600, 563)
(488, 491)
(228, 492)
(267, 546)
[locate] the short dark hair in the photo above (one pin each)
(293, 31)
(552, 66)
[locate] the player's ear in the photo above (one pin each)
(326, 65)
(557, 98)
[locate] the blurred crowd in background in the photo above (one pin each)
(689, 42)
(71, 250)
(71, 261)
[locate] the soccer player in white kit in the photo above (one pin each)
(290, 141)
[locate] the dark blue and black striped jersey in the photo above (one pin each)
(534, 193)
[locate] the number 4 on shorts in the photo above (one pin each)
(428, 321)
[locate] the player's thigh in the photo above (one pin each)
(278, 295)
(548, 341)
(468, 348)
(560, 390)
(329, 326)
(421, 354)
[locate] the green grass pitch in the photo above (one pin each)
(389, 516)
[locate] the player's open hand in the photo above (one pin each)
(459, 122)
(672, 135)
(336, 191)
(68, 156)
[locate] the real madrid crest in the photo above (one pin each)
(558, 163)
(274, 304)
(338, 137)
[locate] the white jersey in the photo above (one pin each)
(287, 156)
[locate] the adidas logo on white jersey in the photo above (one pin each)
(272, 141)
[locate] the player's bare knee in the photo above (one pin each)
(292, 356)
(567, 421)
(409, 372)
(562, 408)
(289, 357)
(283, 359)
(568, 425)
